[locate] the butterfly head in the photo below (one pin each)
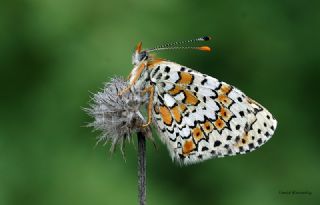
(139, 55)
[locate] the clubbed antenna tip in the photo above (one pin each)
(206, 38)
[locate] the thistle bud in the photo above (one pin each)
(116, 116)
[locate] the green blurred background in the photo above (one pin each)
(54, 52)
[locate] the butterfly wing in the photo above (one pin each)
(199, 117)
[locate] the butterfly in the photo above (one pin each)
(198, 117)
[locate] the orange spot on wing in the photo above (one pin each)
(190, 98)
(185, 78)
(225, 113)
(182, 107)
(176, 114)
(219, 124)
(225, 89)
(207, 126)
(225, 100)
(243, 140)
(222, 98)
(197, 134)
(175, 90)
(166, 115)
(188, 147)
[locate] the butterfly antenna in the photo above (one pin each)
(200, 48)
(170, 46)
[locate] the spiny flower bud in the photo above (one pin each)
(117, 116)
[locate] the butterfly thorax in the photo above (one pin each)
(141, 73)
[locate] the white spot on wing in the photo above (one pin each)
(179, 97)
(206, 92)
(212, 83)
(168, 86)
(185, 132)
(174, 77)
(168, 100)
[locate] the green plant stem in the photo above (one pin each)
(141, 168)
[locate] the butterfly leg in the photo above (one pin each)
(125, 90)
(149, 90)
(135, 76)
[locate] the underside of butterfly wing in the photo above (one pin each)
(199, 117)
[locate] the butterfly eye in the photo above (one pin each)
(142, 55)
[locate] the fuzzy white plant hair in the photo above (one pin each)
(116, 116)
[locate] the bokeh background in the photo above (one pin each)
(54, 53)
